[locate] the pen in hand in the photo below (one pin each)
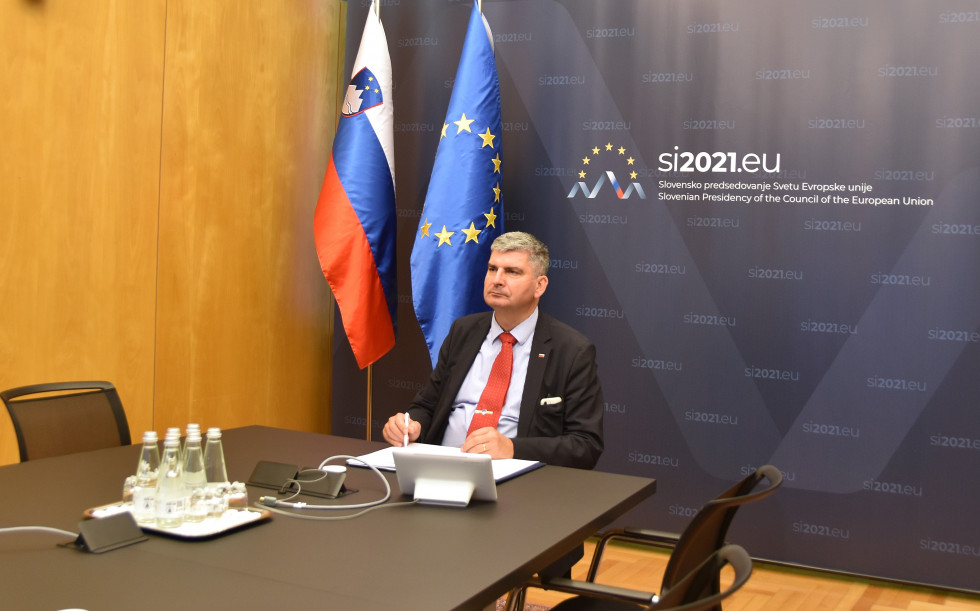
(405, 443)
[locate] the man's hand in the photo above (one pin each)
(488, 441)
(394, 431)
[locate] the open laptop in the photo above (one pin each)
(445, 479)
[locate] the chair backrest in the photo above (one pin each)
(66, 417)
(708, 529)
(697, 590)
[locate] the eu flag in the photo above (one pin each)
(463, 210)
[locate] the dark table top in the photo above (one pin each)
(411, 557)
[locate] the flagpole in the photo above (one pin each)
(370, 369)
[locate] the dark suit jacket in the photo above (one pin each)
(561, 364)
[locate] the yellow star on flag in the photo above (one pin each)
(491, 218)
(444, 237)
(463, 124)
(496, 193)
(487, 139)
(425, 227)
(496, 164)
(445, 126)
(472, 234)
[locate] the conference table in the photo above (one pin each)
(403, 557)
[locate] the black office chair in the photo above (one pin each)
(695, 591)
(704, 535)
(68, 417)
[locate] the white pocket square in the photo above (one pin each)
(551, 401)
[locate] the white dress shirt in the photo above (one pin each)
(476, 379)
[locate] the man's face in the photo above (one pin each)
(511, 286)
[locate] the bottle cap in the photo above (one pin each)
(150, 437)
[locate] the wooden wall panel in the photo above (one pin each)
(243, 317)
(159, 166)
(79, 167)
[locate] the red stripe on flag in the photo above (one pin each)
(348, 265)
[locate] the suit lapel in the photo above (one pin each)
(470, 347)
(536, 365)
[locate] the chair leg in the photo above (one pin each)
(600, 548)
(515, 599)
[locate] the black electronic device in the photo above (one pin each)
(326, 483)
(105, 534)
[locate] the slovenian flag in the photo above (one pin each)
(463, 210)
(354, 222)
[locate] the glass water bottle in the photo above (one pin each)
(170, 486)
(194, 478)
(214, 458)
(145, 490)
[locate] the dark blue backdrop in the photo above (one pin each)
(787, 273)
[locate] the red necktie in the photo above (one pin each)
(492, 400)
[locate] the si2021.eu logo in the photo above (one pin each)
(595, 166)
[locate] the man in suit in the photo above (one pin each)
(553, 406)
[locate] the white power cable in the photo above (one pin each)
(41, 529)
